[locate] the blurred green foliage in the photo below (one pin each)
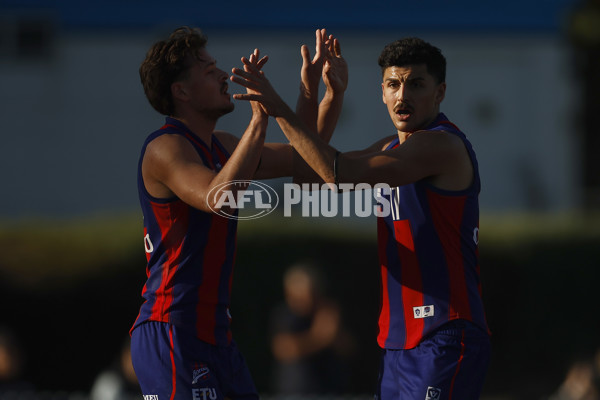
(76, 285)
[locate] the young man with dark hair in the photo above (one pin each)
(432, 325)
(181, 342)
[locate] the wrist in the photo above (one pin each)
(333, 95)
(259, 119)
(309, 92)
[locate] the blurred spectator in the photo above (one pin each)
(307, 339)
(118, 382)
(582, 381)
(12, 364)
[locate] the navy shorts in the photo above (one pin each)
(451, 363)
(172, 364)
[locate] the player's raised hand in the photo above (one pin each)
(257, 63)
(310, 73)
(335, 69)
(258, 88)
(255, 60)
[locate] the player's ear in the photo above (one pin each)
(178, 90)
(383, 93)
(441, 92)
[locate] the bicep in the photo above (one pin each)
(175, 164)
(418, 158)
(376, 147)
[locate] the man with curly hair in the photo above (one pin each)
(432, 325)
(181, 342)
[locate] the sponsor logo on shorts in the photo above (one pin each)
(150, 397)
(200, 373)
(433, 393)
(423, 311)
(204, 394)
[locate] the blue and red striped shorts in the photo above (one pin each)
(172, 364)
(450, 363)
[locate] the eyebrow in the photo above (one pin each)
(409, 79)
(207, 62)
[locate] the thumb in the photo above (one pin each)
(326, 67)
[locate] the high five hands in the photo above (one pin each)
(258, 63)
(327, 64)
(258, 87)
(335, 69)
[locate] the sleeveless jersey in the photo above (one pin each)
(428, 250)
(190, 254)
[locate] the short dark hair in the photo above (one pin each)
(411, 51)
(168, 61)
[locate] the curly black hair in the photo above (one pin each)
(411, 51)
(168, 61)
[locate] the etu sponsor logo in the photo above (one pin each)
(204, 394)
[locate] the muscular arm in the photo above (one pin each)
(438, 156)
(322, 117)
(172, 167)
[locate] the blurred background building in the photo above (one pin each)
(74, 114)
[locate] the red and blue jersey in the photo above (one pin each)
(190, 253)
(428, 250)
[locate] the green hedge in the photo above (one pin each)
(73, 287)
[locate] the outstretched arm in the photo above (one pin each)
(303, 139)
(310, 77)
(437, 155)
(335, 77)
(322, 118)
(329, 65)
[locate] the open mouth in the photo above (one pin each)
(403, 113)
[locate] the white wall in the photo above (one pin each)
(73, 122)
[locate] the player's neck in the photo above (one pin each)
(199, 125)
(402, 136)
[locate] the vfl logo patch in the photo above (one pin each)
(423, 311)
(433, 393)
(200, 373)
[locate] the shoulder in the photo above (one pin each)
(383, 144)
(439, 140)
(376, 147)
(168, 146)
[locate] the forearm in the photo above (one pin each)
(307, 107)
(312, 148)
(302, 173)
(329, 112)
(244, 160)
